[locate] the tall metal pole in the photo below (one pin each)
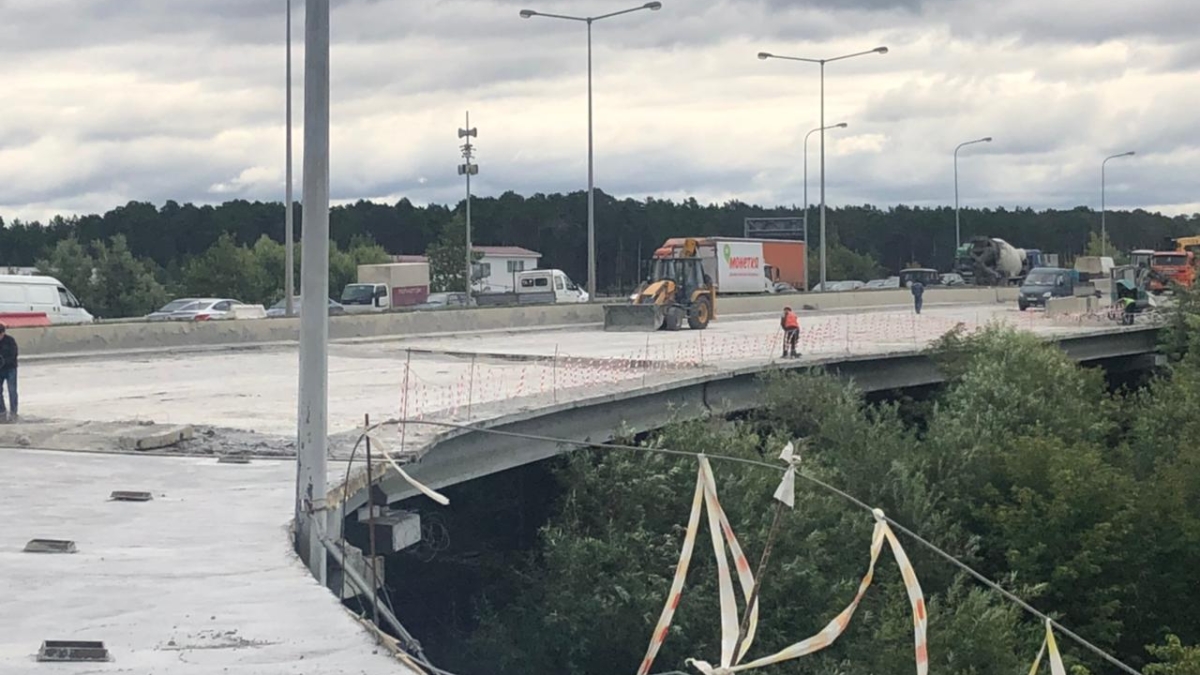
(1103, 225)
(957, 227)
(806, 242)
(767, 55)
(591, 283)
(840, 125)
(957, 230)
(312, 424)
(289, 232)
(529, 14)
(824, 283)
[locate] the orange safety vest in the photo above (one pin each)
(791, 321)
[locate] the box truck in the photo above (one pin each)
(742, 266)
(387, 286)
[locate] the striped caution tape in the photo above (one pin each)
(722, 534)
(1051, 646)
(421, 487)
(838, 625)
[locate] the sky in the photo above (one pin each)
(107, 101)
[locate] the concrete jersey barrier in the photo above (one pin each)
(177, 334)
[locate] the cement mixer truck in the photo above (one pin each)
(988, 261)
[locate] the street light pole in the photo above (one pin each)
(591, 193)
(1103, 225)
(289, 231)
(957, 229)
(313, 413)
(767, 55)
(840, 125)
(468, 169)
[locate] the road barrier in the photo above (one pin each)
(24, 319)
(85, 339)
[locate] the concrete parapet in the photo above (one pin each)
(1080, 305)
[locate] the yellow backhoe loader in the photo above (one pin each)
(678, 290)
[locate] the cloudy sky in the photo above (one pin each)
(105, 101)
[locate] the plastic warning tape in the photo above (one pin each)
(722, 534)
(838, 625)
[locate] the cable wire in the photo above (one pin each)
(978, 576)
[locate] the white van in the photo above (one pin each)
(41, 294)
(548, 286)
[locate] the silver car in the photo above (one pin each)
(206, 309)
(170, 308)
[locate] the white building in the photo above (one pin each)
(498, 266)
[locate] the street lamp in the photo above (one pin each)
(589, 20)
(840, 125)
(767, 55)
(1103, 226)
(957, 230)
(289, 231)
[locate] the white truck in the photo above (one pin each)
(387, 286)
(537, 287)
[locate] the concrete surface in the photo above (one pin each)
(200, 580)
(172, 334)
(92, 436)
(254, 392)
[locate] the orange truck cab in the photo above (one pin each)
(1172, 267)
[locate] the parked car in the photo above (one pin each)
(890, 282)
(835, 286)
(447, 301)
(953, 279)
(164, 313)
(280, 308)
(206, 309)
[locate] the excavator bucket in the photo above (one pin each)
(633, 317)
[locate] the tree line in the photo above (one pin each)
(1026, 466)
(864, 241)
(112, 282)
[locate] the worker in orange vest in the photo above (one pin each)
(790, 323)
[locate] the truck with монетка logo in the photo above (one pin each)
(744, 266)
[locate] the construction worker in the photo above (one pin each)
(790, 323)
(918, 293)
(8, 375)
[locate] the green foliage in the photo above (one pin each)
(627, 230)
(70, 263)
(123, 285)
(842, 263)
(1174, 658)
(226, 270)
(1096, 246)
(447, 258)
(110, 281)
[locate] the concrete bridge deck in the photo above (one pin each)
(584, 380)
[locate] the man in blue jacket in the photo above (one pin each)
(8, 375)
(918, 293)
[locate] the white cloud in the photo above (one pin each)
(167, 99)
